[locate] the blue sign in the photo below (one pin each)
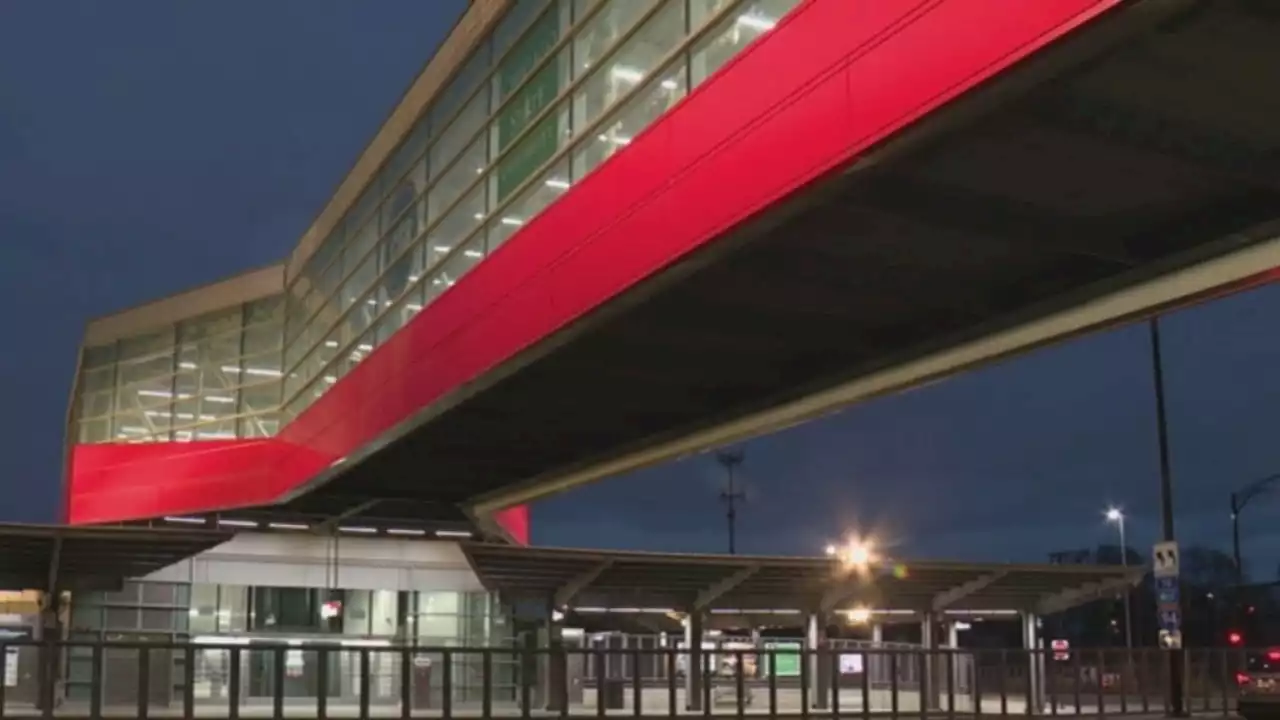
(1170, 619)
(1166, 583)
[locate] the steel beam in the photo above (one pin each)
(1252, 264)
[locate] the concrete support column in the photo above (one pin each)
(929, 666)
(1035, 663)
(877, 633)
(819, 660)
(50, 664)
(694, 669)
(555, 664)
(953, 634)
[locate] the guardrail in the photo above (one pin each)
(277, 680)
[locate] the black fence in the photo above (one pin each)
(370, 679)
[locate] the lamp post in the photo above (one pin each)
(1116, 515)
(1167, 532)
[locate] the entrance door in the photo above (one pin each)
(301, 672)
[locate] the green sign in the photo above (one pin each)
(786, 659)
(529, 100)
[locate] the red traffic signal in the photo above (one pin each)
(1234, 638)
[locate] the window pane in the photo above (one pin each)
(636, 114)
(524, 57)
(457, 179)
(460, 133)
(461, 87)
(735, 33)
(630, 65)
(604, 31)
(527, 140)
(531, 201)
(456, 226)
(360, 281)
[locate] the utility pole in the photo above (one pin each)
(730, 460)
(1175, 656)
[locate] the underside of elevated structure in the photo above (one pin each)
(1128, 168)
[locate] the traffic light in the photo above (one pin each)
(1235, 638)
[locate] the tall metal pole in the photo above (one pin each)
(1166, 501)
(1128, 614)
(730, 460)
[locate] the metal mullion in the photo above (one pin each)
(343, 349)
(673, 56)
(377, 280)
(482, 132)
(578, 137)
(567, 94)
(482, 85)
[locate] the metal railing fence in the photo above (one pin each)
(236, 680)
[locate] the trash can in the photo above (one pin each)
(615, 694)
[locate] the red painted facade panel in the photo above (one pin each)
(834, 78)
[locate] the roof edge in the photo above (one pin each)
(476, 20)
(241, 288)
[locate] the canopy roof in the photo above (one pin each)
(666, 581)
(47, 557)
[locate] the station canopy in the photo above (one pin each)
(666, 582)
(46, 557)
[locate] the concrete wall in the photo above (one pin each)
(305, 560)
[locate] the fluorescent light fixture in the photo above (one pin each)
(238, 523)
(219, 640)
(184, 520)
(364, 347)
(412, 307)
(261, 372)
(442, 248)
(478, 216)
(366, 643)
(453, 533)
(222, 399)
(406, 531)
(669, 85)
(615, 139)
(156, 394)
(473, 253)
(512, 221)
(558, 184)
(332, 380)
(331, 343)
(758, 23)
(359, 530)
(186, 365)
(627, 74)
(287, 526)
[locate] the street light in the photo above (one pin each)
(854, 553)
(1116, 515)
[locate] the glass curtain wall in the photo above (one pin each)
(146, 611)
(553, 92)
(212, 377)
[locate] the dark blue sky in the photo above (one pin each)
(148, 146)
